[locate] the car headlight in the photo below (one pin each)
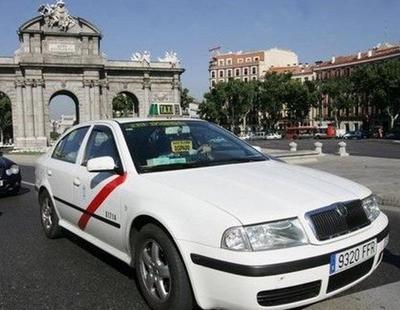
(267, 236)
(14, 169)
(371, 207)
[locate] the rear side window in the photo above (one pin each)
(67, 149)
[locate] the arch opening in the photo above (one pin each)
(63, 113)
(6, 121)
(125, 104)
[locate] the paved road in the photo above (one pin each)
(368, 147)
(68, 273)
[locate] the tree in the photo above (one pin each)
(379, 85)
(186, 99)
(229, 103)
(272, 97)
(123, 105)
(340, 92)
(5, 117)
(300, 97)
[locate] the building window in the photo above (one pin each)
(245, 71)
(245, 79)
(221, 62)
(229, 61)
(237, 72)
(254, 78)
(213, 74)
(306, 78)
(240, 60)
(248, 59)
(254, 70)
(221, 80)
(256, 58)
(221, 73)
(212, 83)
(229, 72)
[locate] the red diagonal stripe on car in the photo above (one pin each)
(99, 199)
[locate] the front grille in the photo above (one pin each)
(338, 219)
(346, 277)
(289, 294)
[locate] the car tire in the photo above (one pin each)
(15, 191)
(160, 271)
(48, 217)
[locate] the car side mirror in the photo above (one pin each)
(101, 164)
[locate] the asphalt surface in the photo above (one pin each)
(366, 147)
(69, 273)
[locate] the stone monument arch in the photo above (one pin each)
(61, 54)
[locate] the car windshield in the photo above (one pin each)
(172, 145)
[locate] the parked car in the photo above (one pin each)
(273, 136)
(393, 134)
(206, 218)
(355, 135)
(10, 176)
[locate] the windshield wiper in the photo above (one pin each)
(175, 166)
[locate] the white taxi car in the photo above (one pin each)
(205, 218)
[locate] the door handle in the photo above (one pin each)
(49, 172)
(77, 182)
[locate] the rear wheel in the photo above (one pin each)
(160, 271)
(49, 217)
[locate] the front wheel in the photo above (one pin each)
(160, 271)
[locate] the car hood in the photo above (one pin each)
(261, 191)
(5, 162)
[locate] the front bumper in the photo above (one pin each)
(242, 280)
(10, 183)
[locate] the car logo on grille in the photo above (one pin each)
(341, 210)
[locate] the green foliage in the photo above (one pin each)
(229, 103)
(379, 85)
(54, 135)
(186, 99)
(232, 103)
(124, 105)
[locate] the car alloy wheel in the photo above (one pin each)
(47, 213)
(155, 271)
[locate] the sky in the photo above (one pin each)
(315, 30)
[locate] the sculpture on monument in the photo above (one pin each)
(57, 15)
(170, 57)
(141, 57)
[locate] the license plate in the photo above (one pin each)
(351, 257)
(1, 183)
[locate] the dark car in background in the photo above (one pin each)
(393, 134)
(10, 176)
(355, 135)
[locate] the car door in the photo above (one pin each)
(96, 193)
(60, 170)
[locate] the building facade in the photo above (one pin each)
(61, 54)
(342, 66)
(247, 66)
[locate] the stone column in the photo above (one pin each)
(176, 86)
(28, 108)
(105, 111)
(19, 122)
(88, 109)
(144, 107)
(39, 113)
(96, 100)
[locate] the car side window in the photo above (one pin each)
(101, 143)
(67, 149)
